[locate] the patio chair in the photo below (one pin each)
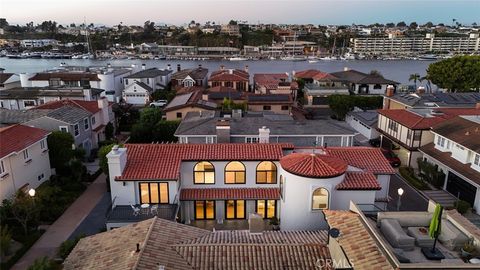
(154, 209)
(136, 210)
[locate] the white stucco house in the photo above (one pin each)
(202, 184)
(24, 161)
(137, 93)
(364, 122)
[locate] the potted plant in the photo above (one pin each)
(468, 248)
(275, 224)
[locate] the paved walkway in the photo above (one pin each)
(441, 196)
(64, 226)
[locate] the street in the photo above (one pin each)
(411, 199)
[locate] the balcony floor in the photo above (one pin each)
(124, 213)
(239, 224)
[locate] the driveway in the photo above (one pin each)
(411, 200)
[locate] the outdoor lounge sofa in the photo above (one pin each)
(394, 233)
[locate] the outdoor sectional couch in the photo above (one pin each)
(395, 226)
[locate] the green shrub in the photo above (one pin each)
(5, 240)
(43, 263)
(408, 174)
(27, 243)
(342, 104)
(462, 206)
(67, 246)
(430, 173)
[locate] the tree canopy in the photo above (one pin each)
(457, 74)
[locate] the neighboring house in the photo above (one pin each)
(365, 122)
(231, 30)
(277, 103)
(9, 80)
(61, 78)
(70, 119)
(456, 151)
(361, 83)
(234, 78)
(248, 127)
(431, 100)
(155, 78)
(216, 183)
(101, 115)
(274, 84)
(180, 105)
(323, 85)
(405, 131)
(137, 93)
(307, 75)
(27, 98)
(24, 161)
(190, 77)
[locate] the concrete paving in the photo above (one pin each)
(64, 226)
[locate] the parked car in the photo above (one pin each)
(391, 157)
(158, 103)
(375, 142)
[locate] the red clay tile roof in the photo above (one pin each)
(308, 74)
(65, 76)
(18, 137)
(90, 106)
(313, 165)
(356, 241)
(162, 161)
(359, 181)
(366, 158)
(224, 75)
(413, 120)
(191, 194)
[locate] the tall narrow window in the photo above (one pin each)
(235, 209)
(320, 199)
(85, 124)
(235, 173)
(204, 173)
(204, 209)
(42, 144)
(25, 154)
(2, 167)
(76, 130)
(154, 193)
(266, 208)
(266, 173)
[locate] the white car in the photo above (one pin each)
(158, 103)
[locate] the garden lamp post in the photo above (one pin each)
(31, 193)
(399, 202)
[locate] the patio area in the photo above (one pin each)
(125, 213)
(226, 225)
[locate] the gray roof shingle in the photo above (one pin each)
(69, 114)
(149, 73)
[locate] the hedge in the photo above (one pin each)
(408, 174)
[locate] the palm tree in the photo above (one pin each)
(414, 77)
(426, 78)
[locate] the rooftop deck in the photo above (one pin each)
(125, 214)
(226, 225)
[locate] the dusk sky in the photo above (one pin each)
(111, 12)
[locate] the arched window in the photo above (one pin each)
(266, 173)
(204, 173)
(320, 199)
(235, 173)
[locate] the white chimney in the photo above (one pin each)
(230, 71)
(144, 66)
(117, 159)
(264, 135)
(346, 69)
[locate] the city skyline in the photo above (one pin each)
(286, 12)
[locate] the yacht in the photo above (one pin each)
(237, 58)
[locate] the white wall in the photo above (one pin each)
(21, 173)
(342, 198)
(365, 130)
(136, 95)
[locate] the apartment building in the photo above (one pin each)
(456, 152)
(24, 160)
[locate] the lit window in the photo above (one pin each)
(266, 208)
(266, 173)
(204, 173)
(154, 193)
(235, 209)
(204, 209)
(320, 199)
(235, 173)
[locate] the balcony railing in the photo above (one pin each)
(125, 213)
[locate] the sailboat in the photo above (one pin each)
(89, 54)
(293, 57)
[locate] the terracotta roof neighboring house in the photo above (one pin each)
(149, 73)
(5, 76)
(191, 194)
(425, 118)
(90, 106)
(189, 89)
(65, 76)
(359, 181)
(229, 75)
(355, 240)
(18, 137)
(313, 165)
(308, 74)
(162, 161)
(366, 158)
(173, 245)
(462, 131)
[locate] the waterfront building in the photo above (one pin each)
(394, 45)
(364, 84)
(250, 127)
(24, 160)
(210, 184)
(217, 51)
(177, 50)
(234, 78)
(274, 83)
(231, 30)
(38, 43)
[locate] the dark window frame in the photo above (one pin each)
(266, 173)
(195, 171)
(150, 195)
(235, 174)
(265, 214)
(204, 209)
(235, 209)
